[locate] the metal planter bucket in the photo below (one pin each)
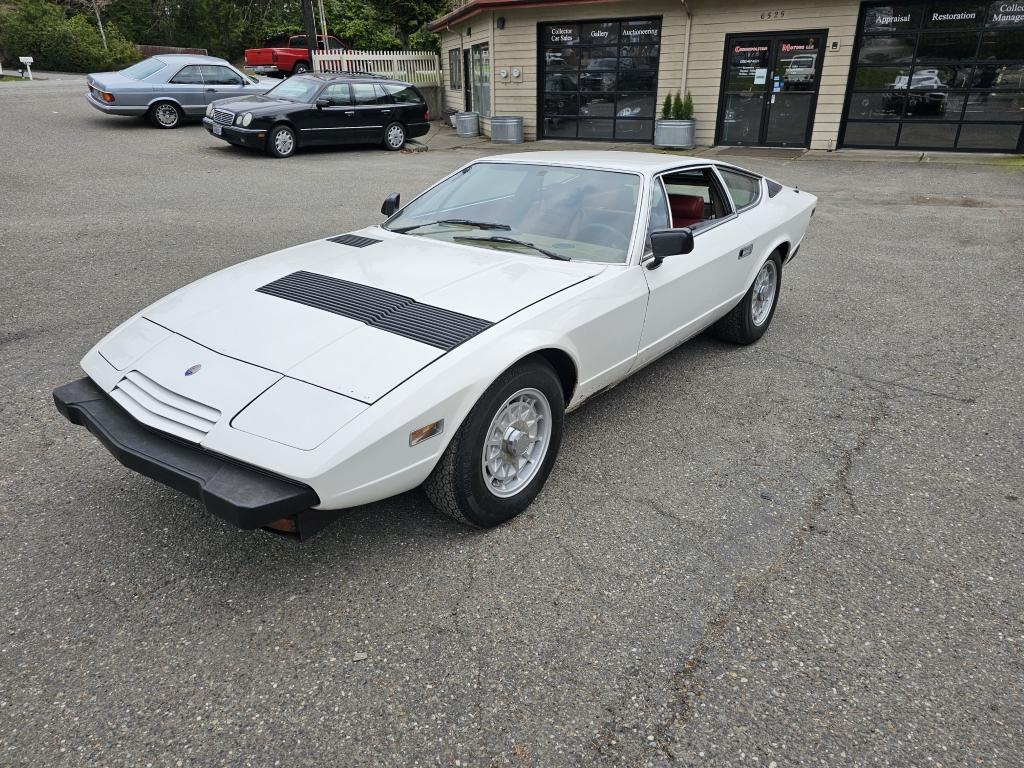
(678, 134)
(506, 130)
(467, 124)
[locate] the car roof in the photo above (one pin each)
(188, 58)
(647, 163)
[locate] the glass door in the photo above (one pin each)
(796, 68)
(770, 86)
(746, 87)
(481, 62)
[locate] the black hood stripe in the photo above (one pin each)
(391, 312)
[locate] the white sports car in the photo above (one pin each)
(443, 347)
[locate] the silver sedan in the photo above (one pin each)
(170, 87)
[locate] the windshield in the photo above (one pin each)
(143, 69)
(296, 89)
(573, 212)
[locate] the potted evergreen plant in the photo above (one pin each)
(676, 127)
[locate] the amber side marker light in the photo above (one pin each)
(108, 97)
(425, 433)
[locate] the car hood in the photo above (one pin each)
(254, 103)
(299, 327)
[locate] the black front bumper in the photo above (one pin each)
(254, 138)
(242, 495)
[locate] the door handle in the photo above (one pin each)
(350, 112)
(746, 250)
(385, 111)
(211, 90)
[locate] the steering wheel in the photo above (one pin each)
(605, 234)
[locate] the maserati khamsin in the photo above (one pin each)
(442, 347)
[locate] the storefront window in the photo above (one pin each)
(930, 74)
(600, 79)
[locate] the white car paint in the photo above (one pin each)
(330, 402)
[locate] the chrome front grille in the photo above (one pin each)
(160, 408)
(223, 117)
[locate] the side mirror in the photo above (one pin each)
(670, 242)
(391, 204)
(321, 103)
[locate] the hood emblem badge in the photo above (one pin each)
(193, 370)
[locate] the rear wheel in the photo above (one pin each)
(394, 136)
(281, 141)
(165, 114)
(749, 319)
(300, 68)
(502, 454)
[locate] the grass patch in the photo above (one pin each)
(9, 78)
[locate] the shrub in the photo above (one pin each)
(677, 107)
(666, 108)
(60, 42)
(688, 107)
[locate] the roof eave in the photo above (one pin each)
(473, 7)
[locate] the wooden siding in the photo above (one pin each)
(516, 46)
(712, 23)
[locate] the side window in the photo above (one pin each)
(335, 44)
(189, 75)
(338, 94)
(403, 94)
(455, 68)
(368, 93)
(695, 197)
(745, 190)
(299, 41)
(659, 218)
(217, 75)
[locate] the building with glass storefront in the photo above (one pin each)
(912, 75)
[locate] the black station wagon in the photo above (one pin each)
(322, 109)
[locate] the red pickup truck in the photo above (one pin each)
(290, 60)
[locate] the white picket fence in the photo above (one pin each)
(420, 67)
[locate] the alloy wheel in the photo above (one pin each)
(763, 293)
(516, 442)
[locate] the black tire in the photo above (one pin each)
(300, 68)
(457, 486)
(394, 136)
(282, 141)
(165, 114)
(739, 326)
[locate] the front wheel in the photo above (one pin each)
(394, 136)
(749, 319)
(281, 142)
(502, 454)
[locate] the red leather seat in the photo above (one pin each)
(687, 210)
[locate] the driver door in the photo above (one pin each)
(690, 291)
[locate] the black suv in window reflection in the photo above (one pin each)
(322, 109)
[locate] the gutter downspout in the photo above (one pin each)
(686, 44)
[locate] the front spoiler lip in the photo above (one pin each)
(247, 497)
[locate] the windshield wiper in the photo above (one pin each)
(463, 222)
(513, 241)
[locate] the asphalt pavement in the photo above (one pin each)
(804, 552)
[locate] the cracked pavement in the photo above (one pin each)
(804, 552)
